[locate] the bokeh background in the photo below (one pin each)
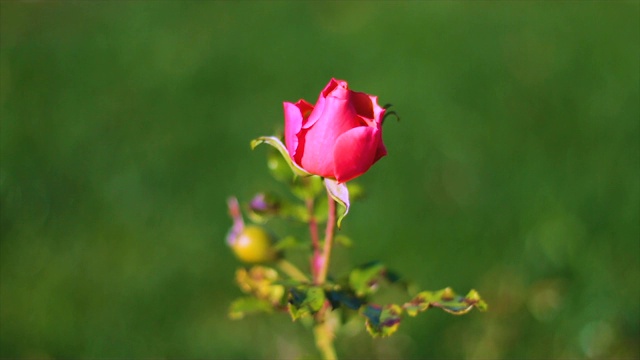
(515, 170)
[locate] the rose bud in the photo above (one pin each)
(251, 244)
(340, 137)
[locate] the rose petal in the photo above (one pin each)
(293, 116)
(380, 152)
(336, 89)
(337, 118)
(363, 105)
(378, 111)
(355, 152)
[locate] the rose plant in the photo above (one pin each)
(326, 145)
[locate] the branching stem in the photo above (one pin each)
(324, 332)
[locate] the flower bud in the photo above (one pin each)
(340, 137)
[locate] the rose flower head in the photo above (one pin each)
(338, 138)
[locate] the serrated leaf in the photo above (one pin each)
(445, 299)
(248, 305)
(305, 300)
(276, 143)
(364, 279)
(382, 321)
(340, 193)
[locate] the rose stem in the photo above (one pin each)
(328, 240)
(323, 331)
(324, 341)
(313, 230)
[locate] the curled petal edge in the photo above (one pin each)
(276, 143)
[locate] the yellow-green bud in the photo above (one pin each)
(254, 245)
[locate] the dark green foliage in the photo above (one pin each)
(305, 300)
(382, 321)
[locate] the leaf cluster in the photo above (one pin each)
(352, 295)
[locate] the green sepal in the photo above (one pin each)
(248, 305)
(340, 193)
(447, 300)
(305, 300)
(276, 143)
(382, 321)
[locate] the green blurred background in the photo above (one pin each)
(515, 170)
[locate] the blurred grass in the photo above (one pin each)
(515, 170)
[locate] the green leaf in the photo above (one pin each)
(305, 300)
(248, 305)
(447, 300)
(339, 298)
(382, 321)
(340, 193)
(364, 279)
(276, 143)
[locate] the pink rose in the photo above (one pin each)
(340, 138)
